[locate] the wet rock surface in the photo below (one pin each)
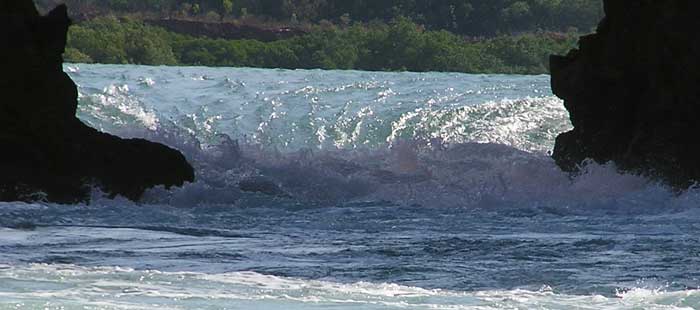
(45, 151)
(632, 90)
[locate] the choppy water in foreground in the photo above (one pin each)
(361, 191)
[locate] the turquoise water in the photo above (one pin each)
(350, 190)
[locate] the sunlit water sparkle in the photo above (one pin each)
(351, 190)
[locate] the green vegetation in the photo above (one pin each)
(398, 45)
(107, 40)
(478, 36)
(466, 17)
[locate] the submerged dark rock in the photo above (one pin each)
(633, 91)
(44, 148)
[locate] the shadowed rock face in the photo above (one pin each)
(633, 91)
(43, 146)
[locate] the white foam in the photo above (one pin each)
(411, 172)
(529, 124)
(115, 107)
(118, 288)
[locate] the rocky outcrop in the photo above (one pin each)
(45, 151)
(633, 91)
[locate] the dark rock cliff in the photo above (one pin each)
(633, 91)
(44, 148)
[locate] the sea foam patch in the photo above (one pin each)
(72, 287)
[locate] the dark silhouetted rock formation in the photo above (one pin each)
(44, 148)
(633, 91)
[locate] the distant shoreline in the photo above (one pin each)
(77, 65)
(401, 45)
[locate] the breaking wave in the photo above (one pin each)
(348, 190)
(426, 139)
(72, 287)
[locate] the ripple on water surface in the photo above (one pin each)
(359, 190)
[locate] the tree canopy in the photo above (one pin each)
(398, 45)
(466, 17)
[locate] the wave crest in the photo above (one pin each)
(291, 145)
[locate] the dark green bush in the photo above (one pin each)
(466, 17)
(399, 45)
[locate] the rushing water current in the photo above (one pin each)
(351, 190)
